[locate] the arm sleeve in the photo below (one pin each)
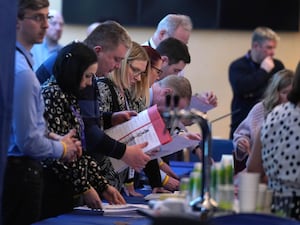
(29, 125)
(96, 139)
(152, 171)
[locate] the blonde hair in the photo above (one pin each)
(120, 76)
(280, 80)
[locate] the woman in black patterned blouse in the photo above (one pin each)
(74, 70)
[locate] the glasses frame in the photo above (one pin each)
(136, 72)
(39, 18)
(159, 71)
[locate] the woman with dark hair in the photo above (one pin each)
(74, 70)
(155, 64)
(277, 152)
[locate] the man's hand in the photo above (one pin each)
(73, 149)
(172, 184)
(122, 116)
(130, 191)
(267, 64)
(135, 157)
(92, 199)
(209, 97)
(191, 136)
(113, 196)
(160, 190)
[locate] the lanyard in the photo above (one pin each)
(81, 124)
(19, 50)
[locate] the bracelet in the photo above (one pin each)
(165, 181)
(161, 163)
(128, 184)
(64, 149)
(89, 188)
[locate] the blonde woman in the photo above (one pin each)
(127, 88)
(276, 93)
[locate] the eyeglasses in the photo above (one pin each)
(39, 18)
(136, 71)
(159, 71)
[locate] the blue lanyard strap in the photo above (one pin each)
(81, 125)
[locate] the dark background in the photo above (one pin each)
(206, 14)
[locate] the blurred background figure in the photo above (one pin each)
(276, 93)
(249, 75)
(50, 43)
(276, 154)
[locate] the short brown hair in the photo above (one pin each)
(180, 85)
(30, 4)
(108, 35)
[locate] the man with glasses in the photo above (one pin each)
(50, 43)
(30, 142)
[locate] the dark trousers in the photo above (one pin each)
(57, 196)
(22, 191)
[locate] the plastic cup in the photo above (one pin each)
(261, 196)
(247, 191)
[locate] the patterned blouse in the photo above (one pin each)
(280, 136)
(62, 114)
(111, 99)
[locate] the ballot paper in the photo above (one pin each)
(178, 143)
(198, 103)
(147, 126)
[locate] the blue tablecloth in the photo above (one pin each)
(252, 219)
(77, 218)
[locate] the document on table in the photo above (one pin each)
(147, 126)
(119, 210)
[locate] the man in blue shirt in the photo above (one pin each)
(29, 140)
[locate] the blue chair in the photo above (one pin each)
(219, 148)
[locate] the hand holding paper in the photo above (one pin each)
(147, 126)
